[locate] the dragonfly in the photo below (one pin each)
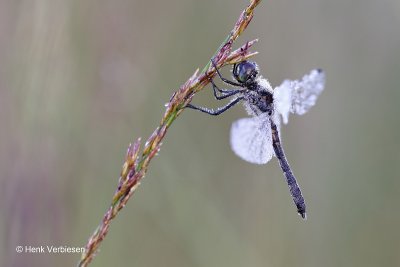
(257, 139)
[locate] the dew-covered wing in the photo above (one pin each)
(298, 96)
(251, 139)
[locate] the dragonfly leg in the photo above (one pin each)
(217, 111)
(224, 93)
(224, 79)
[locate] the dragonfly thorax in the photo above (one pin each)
(259, 101)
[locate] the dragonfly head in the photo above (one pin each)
(245, 72)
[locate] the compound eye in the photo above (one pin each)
(244, 71)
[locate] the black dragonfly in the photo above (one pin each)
(257, 139)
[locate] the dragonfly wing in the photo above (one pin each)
(251, 139)
(298, 96)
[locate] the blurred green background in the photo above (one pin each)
(79, 80)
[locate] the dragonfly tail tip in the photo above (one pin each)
(303, 215)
